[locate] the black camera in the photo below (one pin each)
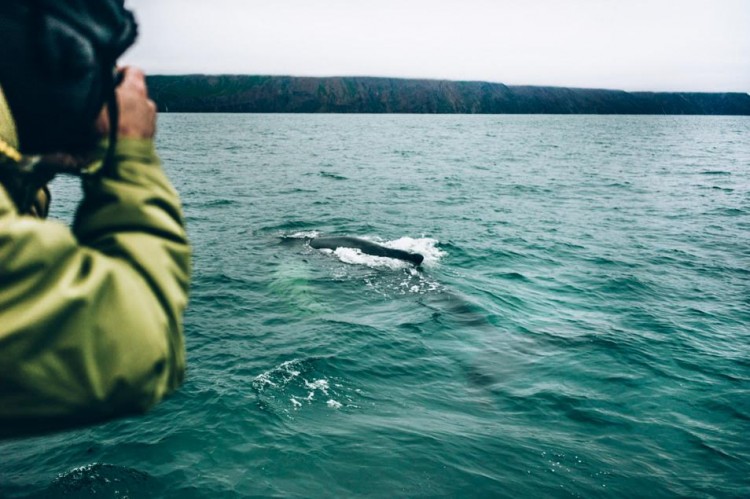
(57, 67)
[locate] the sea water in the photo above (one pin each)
(580, 325)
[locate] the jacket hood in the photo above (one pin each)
(8, 134)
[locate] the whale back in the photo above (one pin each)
(365, 246)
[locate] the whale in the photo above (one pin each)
(365, 246)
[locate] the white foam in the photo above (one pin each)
(425, 246)
(318, 384)
(286, 371)
(314, 386)
(292, 386)
(355, 256)
(304, 234)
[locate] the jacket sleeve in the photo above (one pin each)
(91, 318)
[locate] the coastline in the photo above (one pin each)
(288, 94)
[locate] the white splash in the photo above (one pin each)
(355, 256)
(425, 246)
(304, 234)
(284, 372)
(318, 384)
(293, 386)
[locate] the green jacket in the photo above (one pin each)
(91, 317)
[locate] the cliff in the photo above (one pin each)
(285, 94)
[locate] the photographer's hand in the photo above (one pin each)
(137, 112)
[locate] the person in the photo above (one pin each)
(91, 316)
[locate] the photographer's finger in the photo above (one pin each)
(134, 79)
(101, 125)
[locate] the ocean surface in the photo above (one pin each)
(580, 326)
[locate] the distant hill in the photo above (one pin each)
(286, 94)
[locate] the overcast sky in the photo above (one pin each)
(690, 45)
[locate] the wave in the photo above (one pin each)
(333, 176)
(104, 480)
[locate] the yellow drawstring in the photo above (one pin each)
(9, 152)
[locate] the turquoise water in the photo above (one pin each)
(581, 325)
